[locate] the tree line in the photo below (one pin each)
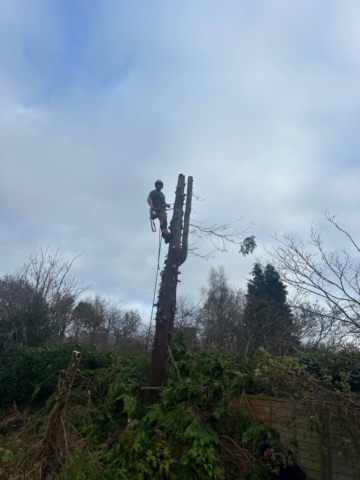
(43, 305)
(306, 298)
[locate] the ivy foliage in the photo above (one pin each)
(290, 376)
(192, 433)
(334, 367)
(323, 383)
(182, 436)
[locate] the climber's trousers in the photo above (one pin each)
(163, 221)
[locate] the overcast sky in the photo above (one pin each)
(258, 100)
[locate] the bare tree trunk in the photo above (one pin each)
(167, 295)
(185, 236)
(184, 250)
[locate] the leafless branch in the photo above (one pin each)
(332, 276)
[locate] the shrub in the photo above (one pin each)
(31, 374)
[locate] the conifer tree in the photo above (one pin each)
(274, 287)
(268, 318)
(256, 287)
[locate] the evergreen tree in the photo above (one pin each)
(257, 286)
(274, 287)
(268, 318)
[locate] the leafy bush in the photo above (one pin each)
(181, 436)
(319, 387)
(31, 374)
(336, 367)
(136, 455)
(83, 467)
(257, 433)
(190, 434)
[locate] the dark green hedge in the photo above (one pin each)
(31, 374)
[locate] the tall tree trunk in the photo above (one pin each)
(185, 236)
(166, 304)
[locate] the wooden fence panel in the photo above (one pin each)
(279, 414)
(313, 474)
(346, 470)
(308, 453)
(293, 425)
(345, 476)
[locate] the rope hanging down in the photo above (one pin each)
(155, 286)
(153, 216)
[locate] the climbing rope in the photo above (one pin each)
(153, 228)
(156, 280)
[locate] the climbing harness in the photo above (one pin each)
(153, 215)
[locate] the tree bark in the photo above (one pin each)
(167, 297)
(185, 236)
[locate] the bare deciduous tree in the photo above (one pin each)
(315, 328)
(24, 316)
(36, 302)
(186, 315)
(221, 315)
(47, 273)
(332, 276)
(87, 320)
(108, 326)
(231, 320)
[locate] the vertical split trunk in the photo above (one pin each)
(184, 248)
(167, 294)
(185, 236)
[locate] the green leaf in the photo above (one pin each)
(7, 455)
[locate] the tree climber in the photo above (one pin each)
(157, 202)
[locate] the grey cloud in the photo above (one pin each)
(250, 100)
